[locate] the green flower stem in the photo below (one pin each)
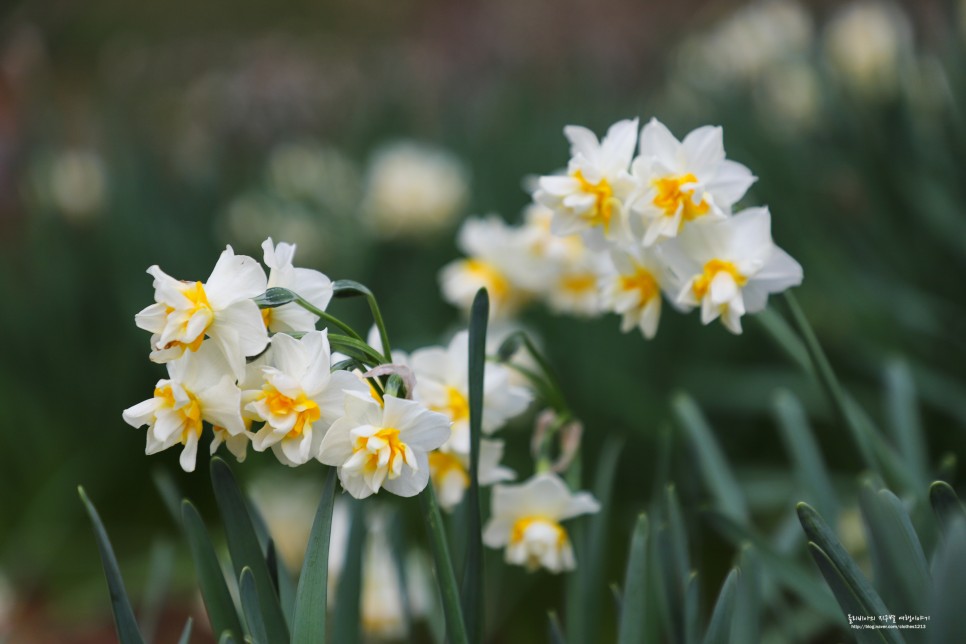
(330, 320)
(448, 588)
(830, 383)
(545, 381)
(381, 325)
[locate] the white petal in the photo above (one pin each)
(235, 277)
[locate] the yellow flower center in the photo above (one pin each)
(578, 283)
(519, 530)
(190, 413)
(457, 407)
(385, 450)
(281, 405)
(642, 281)
(603, 209)
(442, 464)
(199, 302)
(267, 316)
(493, 279)
(670, 198)
(702, 283)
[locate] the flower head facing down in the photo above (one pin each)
(299, 397)
(386, 446)
(589, 199)
(682, 181)
(199, 388)
(450, 472)
(442, 384)
(221, 309)
(526, 521)
(728, 268)
(309, 284)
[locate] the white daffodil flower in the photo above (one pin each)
(589, 199)
(309, 284)
(526, 521)
(199, 388)
(299, 398)
(221, 309)
(250, 386)
(442, 384)
(450, 472)
(729, 267)
(574, 290)
(490, 263)
(682, 181)
(386, 446)
(631, 286)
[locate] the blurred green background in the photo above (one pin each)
(156, 132)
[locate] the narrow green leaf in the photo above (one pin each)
(275, 296)
(829, 382)
(286, 591)
(585, 587)
(556, 632)
(946, 504)
(905, 422)
(902, 573)
(445, 577)
(160, 565)
(671, 588)
(226, 638)
(718, 478)
(634, 599)
(310, 597)
(692, 609)
(804, 452)
(719, 628)
(243, 545)
(828, 544)
(472, 582)
(681, 559)
(211, 580)
(169, 493)
(787, 571)
(186, 632)
(355, 349)
(949, 588)
(748, 601)
(124, 620)
(251, 608)
(784, 336)
(345, 627)
(852, 605)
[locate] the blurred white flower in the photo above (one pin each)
(789, 97)
(729, 267)
(254, 215)
(865, 45)
(199, 388)
(311, 285)
(414, 190)
(678, 182)
(442, 384)
(631, 287)
(588, 200)
(221, 309)
(526, 521)
(78, 184)
(382, 606)
(574, 289)
(300, 397)
(321, 174)
(450, 472)
(739, 49)
(491, 263)
(288, 505)
(386, 446)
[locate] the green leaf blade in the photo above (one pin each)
(631, 629)
(124, 620)
(244, 547)
(211, 580)
(311, 594)
(251, 607)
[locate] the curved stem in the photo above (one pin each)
(330, 320)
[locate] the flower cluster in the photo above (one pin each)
(635, 215)
(265, 377)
